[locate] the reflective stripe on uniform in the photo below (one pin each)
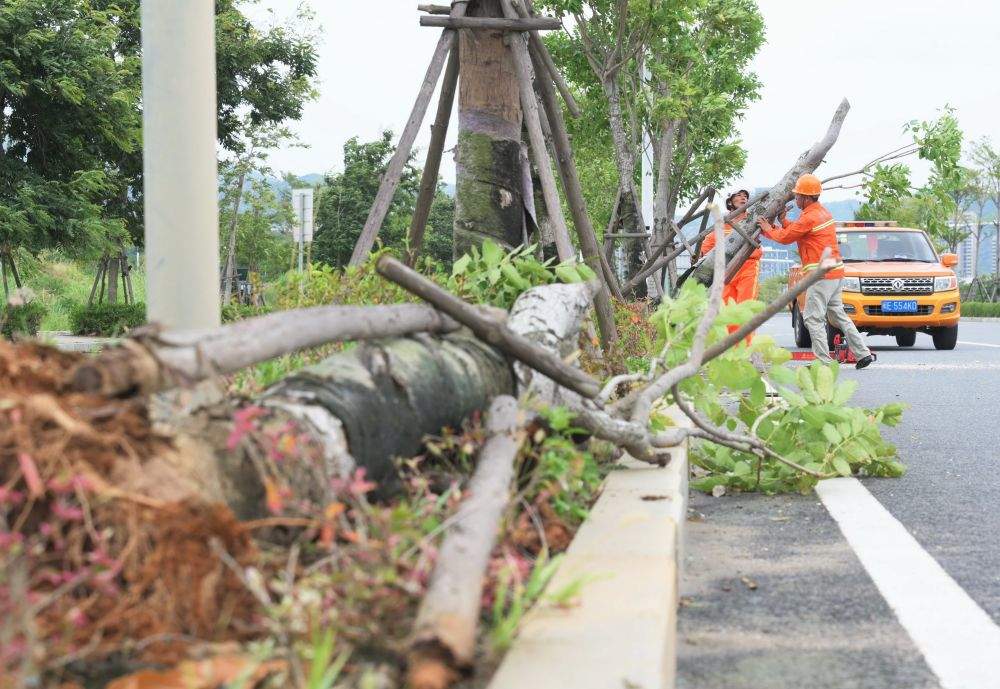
(810, 266)
(823, 226)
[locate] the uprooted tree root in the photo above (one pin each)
(91, 564)
(112, 563)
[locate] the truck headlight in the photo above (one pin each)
(851, 285)
(946, 283)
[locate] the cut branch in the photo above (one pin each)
(152, 362)
(444, 637)
(489, 329)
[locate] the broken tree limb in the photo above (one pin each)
(492, 23)
(660, 387)
(444, 636)
(545, 57)
(152, 362)
(432, 166)
(539, 148)
(394, 172)
(577, 206)
(736, 248)
(489, 329)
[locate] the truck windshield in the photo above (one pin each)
(885, 246)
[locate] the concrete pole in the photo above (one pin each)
(180, 169)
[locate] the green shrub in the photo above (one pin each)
(107, 320)
(22, 317)
(772, 288)
(981, 309)
(237, 312)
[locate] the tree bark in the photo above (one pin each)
(114, 265)
(488, 201)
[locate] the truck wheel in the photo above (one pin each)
(906, 338)
(945, 338)
(802, 338)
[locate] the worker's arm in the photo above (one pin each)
(790, 233)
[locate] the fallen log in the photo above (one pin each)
(736, 247)
(153, 361)
(444, 636)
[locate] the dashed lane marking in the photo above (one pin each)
(957, 638)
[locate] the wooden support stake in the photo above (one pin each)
(539, 149)
(492, 23)
(432, 166)
(390, 182)
(542, 51)
(489, 329)
(434, 9)
(577, 204)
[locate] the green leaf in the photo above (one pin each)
(758, 393)
(824, 383)
(492, 253)
(782, 375)
(568, 273)
(831, 434)
(841, 466)
(845, 391)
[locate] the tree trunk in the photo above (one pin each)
(488, 198)
(230, 270)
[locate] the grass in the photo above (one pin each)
(63, 285)
(981, 309)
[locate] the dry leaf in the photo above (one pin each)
(202, 674)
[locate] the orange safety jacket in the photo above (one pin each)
(709, 243)
(814, 231)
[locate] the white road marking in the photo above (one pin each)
(958, 639)
(979, 344)
(971, 366)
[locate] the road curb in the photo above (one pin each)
(979, 319)
(622, 632)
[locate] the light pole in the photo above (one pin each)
(179, 163)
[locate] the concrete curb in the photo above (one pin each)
(623, 631)
(979, 319)
(73, 343)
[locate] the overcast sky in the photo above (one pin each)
(895, 60)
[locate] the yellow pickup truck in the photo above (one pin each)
(895, 284)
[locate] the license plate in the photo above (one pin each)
(899, 306)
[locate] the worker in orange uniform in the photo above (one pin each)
(744, 285)
(814, 232)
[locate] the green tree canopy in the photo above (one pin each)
(70, 110)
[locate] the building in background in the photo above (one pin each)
(987, 255)
(775, 262)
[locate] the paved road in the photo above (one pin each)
(825, 611)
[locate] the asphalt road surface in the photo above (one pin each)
(881, 584)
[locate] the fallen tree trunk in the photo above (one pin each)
(737, 248)
(444, 635)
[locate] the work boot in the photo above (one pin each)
(864, 362)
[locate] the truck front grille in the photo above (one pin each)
(922, 310)
(897, 285)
